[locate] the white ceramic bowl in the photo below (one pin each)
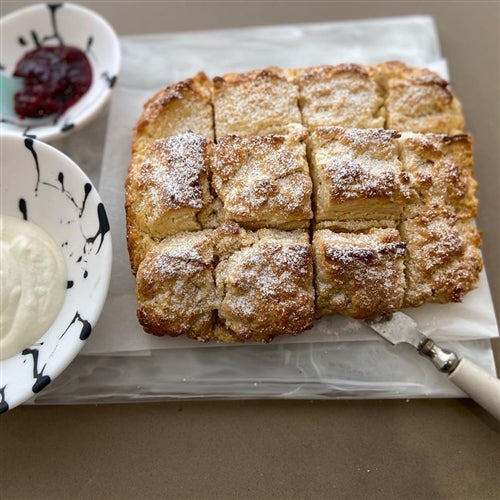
(59, 197)
(75, 26)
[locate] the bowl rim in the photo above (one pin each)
(53, 132)
(100, 293)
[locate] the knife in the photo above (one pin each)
(479, 385)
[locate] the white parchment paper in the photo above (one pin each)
(339, 357)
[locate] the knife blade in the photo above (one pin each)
(482, 387)
(398, 328)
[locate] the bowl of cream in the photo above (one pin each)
(59, 64)
(55, 265)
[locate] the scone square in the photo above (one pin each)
(170, 192)
(443, 259)
(356, 174)
(175, 287)
(439, 169)
(259, 102)
(359, 274)
(419, 100)
(263, 181)
(346, 95)
(266, 289)
(183, 106)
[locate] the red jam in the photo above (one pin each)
(54, 79)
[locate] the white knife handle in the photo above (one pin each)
(479, 385)
(482, 387)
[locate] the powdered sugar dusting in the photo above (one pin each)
(172, 174)
(349, 180)
(348, 255)
(378, 141)
(180, 261)
(269, 289)
(272, 269)
(357, 163)
(179, 257)
(443, 262)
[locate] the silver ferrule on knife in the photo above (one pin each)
(444, 360)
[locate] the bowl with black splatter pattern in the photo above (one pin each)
(40, 184)
(58, 28)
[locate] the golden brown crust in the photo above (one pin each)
(418, 100)
(440, 170)
(259, 102)
(345, 95)
(175, 287)
(183, 106)
(443, 261)
(139, 244)
(359, 275)
(263, 181)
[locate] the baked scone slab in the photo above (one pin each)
(263, 181)
(360, 275)
(357, 175)
(406, 180)
(259, 102)
(266, 289)
(345, 95)
(443, 260)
